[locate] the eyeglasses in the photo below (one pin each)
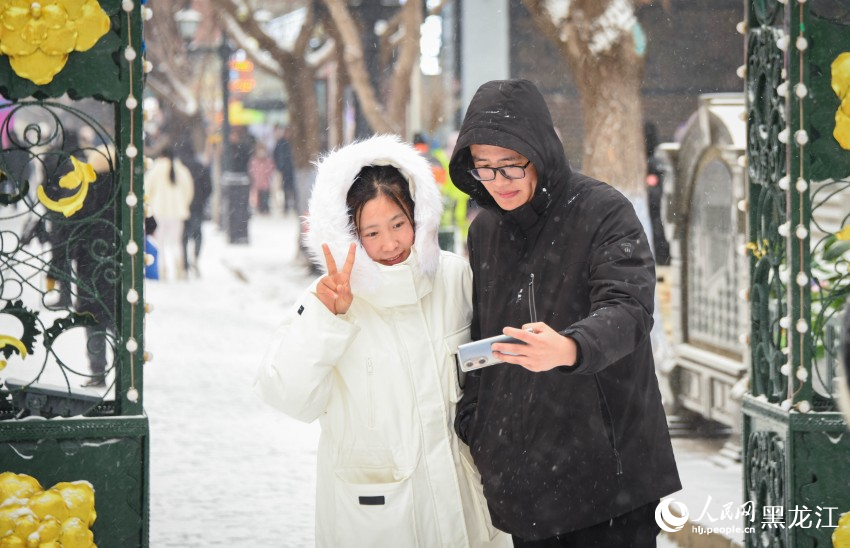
(508, 172)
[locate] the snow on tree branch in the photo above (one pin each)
(559, 10)
(609, 28)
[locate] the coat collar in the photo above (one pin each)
(401, 284)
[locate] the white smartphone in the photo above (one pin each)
(477, 354)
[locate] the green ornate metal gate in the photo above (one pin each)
(796, 444)
(73, 433)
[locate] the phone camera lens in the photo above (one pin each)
(482, 361)
(469, 363)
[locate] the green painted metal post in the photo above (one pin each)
(72, 226)
(796, 445)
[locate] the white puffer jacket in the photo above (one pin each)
(382, 378)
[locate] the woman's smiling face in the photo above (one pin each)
(385, 231)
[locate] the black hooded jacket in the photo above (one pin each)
(572, 447)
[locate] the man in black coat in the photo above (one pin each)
(569, 433)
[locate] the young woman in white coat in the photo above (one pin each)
(369, 350)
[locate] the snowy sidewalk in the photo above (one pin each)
(225, 469)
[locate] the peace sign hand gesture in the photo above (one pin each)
(334, 289)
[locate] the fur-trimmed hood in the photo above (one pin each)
(328, 220)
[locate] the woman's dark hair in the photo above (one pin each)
(374, 181)
(168, 152)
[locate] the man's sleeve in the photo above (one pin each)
(622, 291)
(469, 400)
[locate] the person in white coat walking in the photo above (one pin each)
(369, 350)
(169, 188)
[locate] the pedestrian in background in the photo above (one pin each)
(369, 350)
(202, 189)
(169, 189)
(569, 432)
(283, 162)
(261, 170)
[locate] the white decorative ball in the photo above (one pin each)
(802, 326)
(127, 5)
(131, 345)
(129, 53)
(801, 185)
(131, 103)
(801, 136)
(802, 279)
(801, 232)
(801, 43)
(132, 296)
(132, 151)
(800, 90)
(132, 248)
(802, 374)
(785, 322)
(131, 200)
(133, 395)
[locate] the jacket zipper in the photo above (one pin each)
(609, 420)
(370, 374)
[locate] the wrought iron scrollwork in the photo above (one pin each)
(766, 487)
(768, 202)
(766, 11)
(59, 259)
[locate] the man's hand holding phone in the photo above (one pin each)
(541, 348)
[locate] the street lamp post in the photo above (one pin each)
(233, 185)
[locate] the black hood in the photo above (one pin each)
(511, 114)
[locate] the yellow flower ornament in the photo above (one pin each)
(82, 176)
(841, 87)
(38, 35)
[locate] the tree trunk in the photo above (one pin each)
(613, 148)
(388, 116)
(608, 77)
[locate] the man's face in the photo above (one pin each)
(509, 194)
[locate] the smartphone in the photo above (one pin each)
(477, 354)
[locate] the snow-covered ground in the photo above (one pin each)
(225, 470)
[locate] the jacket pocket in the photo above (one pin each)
(608, 418)
(373, 514)
(479, 511)
(456, 376)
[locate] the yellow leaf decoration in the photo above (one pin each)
(844, 233)
(841, 87)
(7, 340)
(81, 177)
(38, 35)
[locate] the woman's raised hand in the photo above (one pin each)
(334, 289)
